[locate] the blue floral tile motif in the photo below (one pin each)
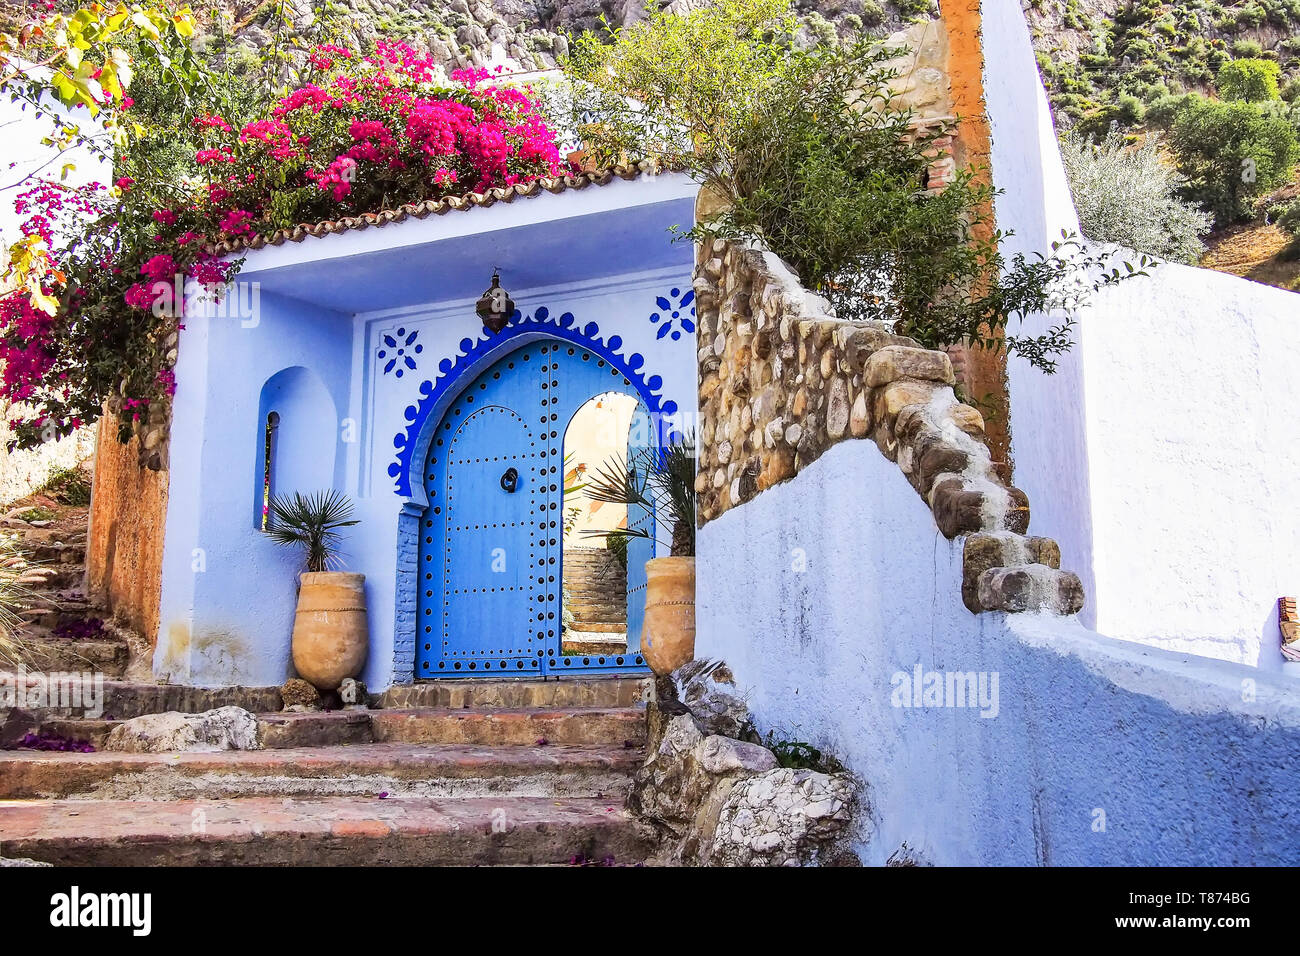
(473, 357)
(400, 348)
(675, 309)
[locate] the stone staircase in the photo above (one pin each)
(596, 595)
(63, 630)
(449, 773)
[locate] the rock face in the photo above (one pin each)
(299, 695)
(717, 800)
(783, 817)
(708, 689)
(226, 728)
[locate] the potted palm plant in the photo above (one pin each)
(330, 629)
(661, 481)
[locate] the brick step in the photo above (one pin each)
(399, 770)
(565, 725)
(328, 831)
(516, 694)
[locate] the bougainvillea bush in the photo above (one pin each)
(357, 132)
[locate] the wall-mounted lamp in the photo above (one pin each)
(495, 305)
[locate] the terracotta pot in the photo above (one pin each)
(330, 632)
(668, 636)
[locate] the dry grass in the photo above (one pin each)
(1253, 251)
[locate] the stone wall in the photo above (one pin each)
(125, 545)
(22, 472)
(781, 381)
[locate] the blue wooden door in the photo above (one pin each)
(491, 550)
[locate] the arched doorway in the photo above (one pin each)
(491, 545)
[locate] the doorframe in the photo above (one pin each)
(426, 416)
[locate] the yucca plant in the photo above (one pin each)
(312, 522)
(661, 480)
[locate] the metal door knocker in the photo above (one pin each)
(510, 481)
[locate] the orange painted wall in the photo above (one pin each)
(984, 373)
(125, 545)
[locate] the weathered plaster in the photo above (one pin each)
(1164, 455)
(1190, 761)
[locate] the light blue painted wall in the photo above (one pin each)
(1184, 768)
(228, 594)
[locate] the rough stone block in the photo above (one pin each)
(1031, 587)
(894, 362)
(957, 508)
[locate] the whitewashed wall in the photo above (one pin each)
(1096, 752)
(1165, 454)
(22, 155)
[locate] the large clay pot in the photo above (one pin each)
(668, 635)
(330, 630)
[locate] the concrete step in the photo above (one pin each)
(515, 694)
(328, 831)
(564, 725)
(398, 770)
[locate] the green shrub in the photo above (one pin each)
(873, 14)
(1126, 195)
(1252, 81)
(1287, 217)
(1161, 113)
(69, 486)
(814, 160)
(1244, 49)
(1231, 153)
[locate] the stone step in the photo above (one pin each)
(44, 652)
(58, 553)
(516, 694)
(125, 699)
(277, 731)
(428, 725)
(405, 770)
(51, 578)
(564, 725)
(327, 831)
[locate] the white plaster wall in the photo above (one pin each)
(1163, 454)
(847, 582)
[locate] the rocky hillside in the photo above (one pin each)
(1105, 60)
(521, 34)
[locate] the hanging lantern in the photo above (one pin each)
(495, 306)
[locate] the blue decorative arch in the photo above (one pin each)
(474, 356)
